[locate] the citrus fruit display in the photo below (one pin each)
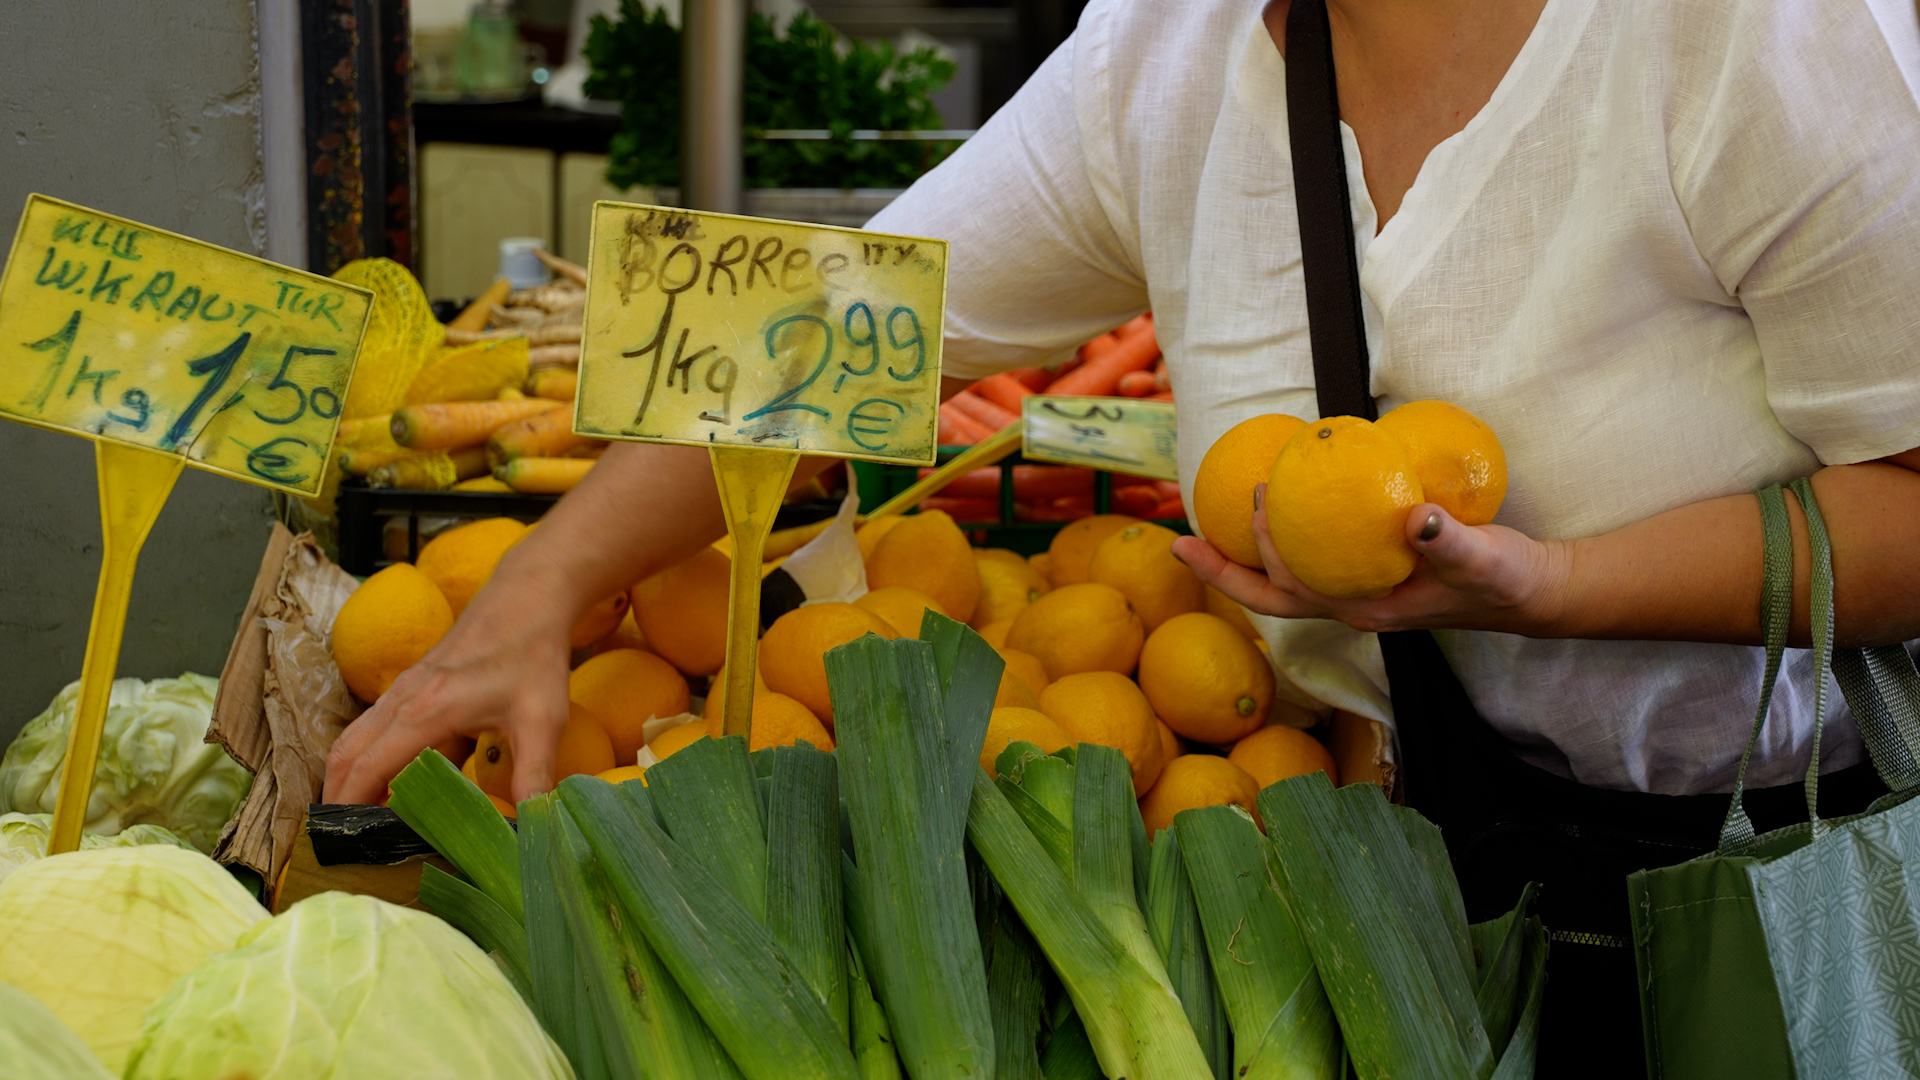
(1219, 603)
(1010, 725)
(793, 652)
(1169, 744)
(1008, 583)
(928, 552)
(1195, 780)
(598, 621)
(779, 720)
(460, 560)
(1272, 754)
(1337, 503)
(1138, 560)
(392, 620)
(1071, 551)
(903, 608)
(624, 689)
(995, 633)
(1015, 692)
(1075, 628)
(583, 747)
(715, 707)
(620, 774)
(1107, 709)
(1205, 679)
(683, 611)
(1237, 462)
(868, 536)
(1027, 668)
(625, 636)
(676, 738)
(1461, 466)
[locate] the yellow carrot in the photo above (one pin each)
(474, 315)
(543, 475)
(419, 472)
(558, 384)
(482, 483)
(358, 462)
(469, 462)
(366, 433)
(449, 425)
(550, 434)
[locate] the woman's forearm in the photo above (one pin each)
(1694, 573)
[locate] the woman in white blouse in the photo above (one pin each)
(1669, 252)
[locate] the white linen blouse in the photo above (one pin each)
(1675, 257)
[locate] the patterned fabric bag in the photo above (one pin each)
(1796, 953)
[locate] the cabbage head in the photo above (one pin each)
(155, 764)
(35, 1045)
(344, 987)
(98, 935)
(23, 838)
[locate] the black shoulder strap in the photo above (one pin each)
(1334, 322)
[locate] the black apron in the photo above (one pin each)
(1505, 822)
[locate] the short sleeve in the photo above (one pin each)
(1797, 159)
(1036, 265)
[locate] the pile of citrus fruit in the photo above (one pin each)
(1108, 638)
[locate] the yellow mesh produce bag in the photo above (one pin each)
(471, 372)
(402, 336)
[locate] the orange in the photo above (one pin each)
(1014, 693)
(1205, 679)
(1236, 463)
(778, 720)
(1169, 743)
(624, 689)
(716, 703)
(1461, 465)
(793, 653)
(506, 808)
(1272, 754)
(620, 774)
(903, 608)
(583, 748)
(1072, 548)
(1219, 603)
(1008, 583)
(995, 633)
(1337, 504)
(1011, 725)
(625, 636)
(676, 738)
(1075, 628)
(682, 610)
(1027, 668)
(1139, 561)
(1194, 780)
(461, 560)
(599, 621)
(868, 535)
(1107, 709)
(1042, 564)
(928, 552)
(392, 620)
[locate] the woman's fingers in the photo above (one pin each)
(535, 737)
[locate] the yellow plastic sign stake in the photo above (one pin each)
(989, 451)
(761, 340)
(752, 485)
(1120, 434)
(166, 352)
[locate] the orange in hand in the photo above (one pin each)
(1236, 463)
(1462, 468)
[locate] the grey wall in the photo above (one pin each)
(150, 110)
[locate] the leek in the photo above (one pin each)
(804, 905)
(1174, 922)
(872, 1036)
(474, 914)
(461, 823)
(555, 977)
(708, 802)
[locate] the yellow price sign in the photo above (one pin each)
(111, 329)
(717, 330)
(1120, 434)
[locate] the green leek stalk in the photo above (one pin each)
(805, 906)
(461, 823)
(1174, 922)
(474, 914)
(558, 983)
(872, 1035)
(903, 739)
(1283, 1026)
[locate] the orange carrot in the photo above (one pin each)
(1135, 384)
(978, 484)
(1100, 375)
(957, 429)
(1165, 395)
(1137, 501)
(1162, 378)
(1003, 390)
(449, 425)
(982, 411)
(1168, 510)
(474, 315)
(964, 509)
(547, 434)
(543, 475)
(558, 384)
(1035, 379)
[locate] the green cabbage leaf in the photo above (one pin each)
(345, 987)
(155, 764)
(35, 1045)
(23, 838)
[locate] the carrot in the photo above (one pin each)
(419, 472)
(482, 483)
(959, 429)
(1168, 489)
(1035, 379)
(1100, 376)
(964, 509)
(981, 411)
(367, 433)
(1163, 396)
(359, 462)
(1137, 501)
(547, 434)
(978, 484)
(474, 315)
(448, 425)
(1135, 384)
(555, 384)
(1051, 513)
(1098, 347)
(1003, 390)
(1162, 378)
(1045, 483)
(1169, 509)
(543, 475)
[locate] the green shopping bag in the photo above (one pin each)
(1796, 953)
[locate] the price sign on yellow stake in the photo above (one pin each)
(165, 351)
(761, 340)
(1119, 434)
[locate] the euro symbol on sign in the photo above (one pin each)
(269, 463)
(862, 422)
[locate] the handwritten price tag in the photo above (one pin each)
(115, 330)
(1121, 434)
(713, 329)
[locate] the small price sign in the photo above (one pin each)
(1122, 434)
(111, 329)
(719, 330)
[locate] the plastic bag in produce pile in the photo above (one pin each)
(155, 767)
